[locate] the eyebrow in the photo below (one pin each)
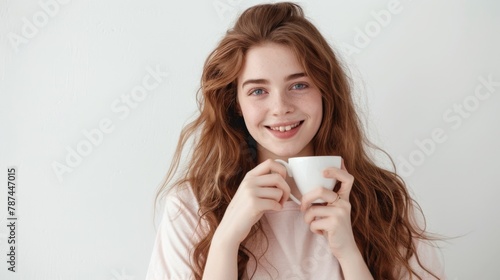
(264, 81)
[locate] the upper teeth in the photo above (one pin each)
(285, 128)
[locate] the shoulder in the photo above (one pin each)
(181, 207)
(183, 193)
(177, 235)
(181, 198)
(428, 256)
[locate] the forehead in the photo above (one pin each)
(269, 61)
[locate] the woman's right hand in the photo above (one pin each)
(263, 188)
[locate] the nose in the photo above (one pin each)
(281, 104)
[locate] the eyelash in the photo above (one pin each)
(304, 86)
(254, 90)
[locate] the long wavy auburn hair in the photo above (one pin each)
(223, 151)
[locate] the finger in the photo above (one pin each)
(346, 180)
(342, 165)
(322, 211)
(270, 193)
(317, 193)
(274, 180)
(268, 205)
(268, 166)
(319, 226)
(317, 211)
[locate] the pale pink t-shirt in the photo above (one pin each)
(293, 252)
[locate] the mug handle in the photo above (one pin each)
(289, 171)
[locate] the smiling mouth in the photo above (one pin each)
(285, 127)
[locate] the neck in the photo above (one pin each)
(264, 154)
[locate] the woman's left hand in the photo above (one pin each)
(332, 220)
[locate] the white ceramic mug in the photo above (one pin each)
(307, 172)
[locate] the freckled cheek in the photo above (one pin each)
(252, 115)
(317, 106)
(255, 118)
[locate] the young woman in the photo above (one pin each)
(274, 89)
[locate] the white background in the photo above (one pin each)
(96, 222)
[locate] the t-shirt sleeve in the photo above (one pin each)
(430, 257)
(176, 236)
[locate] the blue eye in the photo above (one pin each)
(299, 86)
(258, 91)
